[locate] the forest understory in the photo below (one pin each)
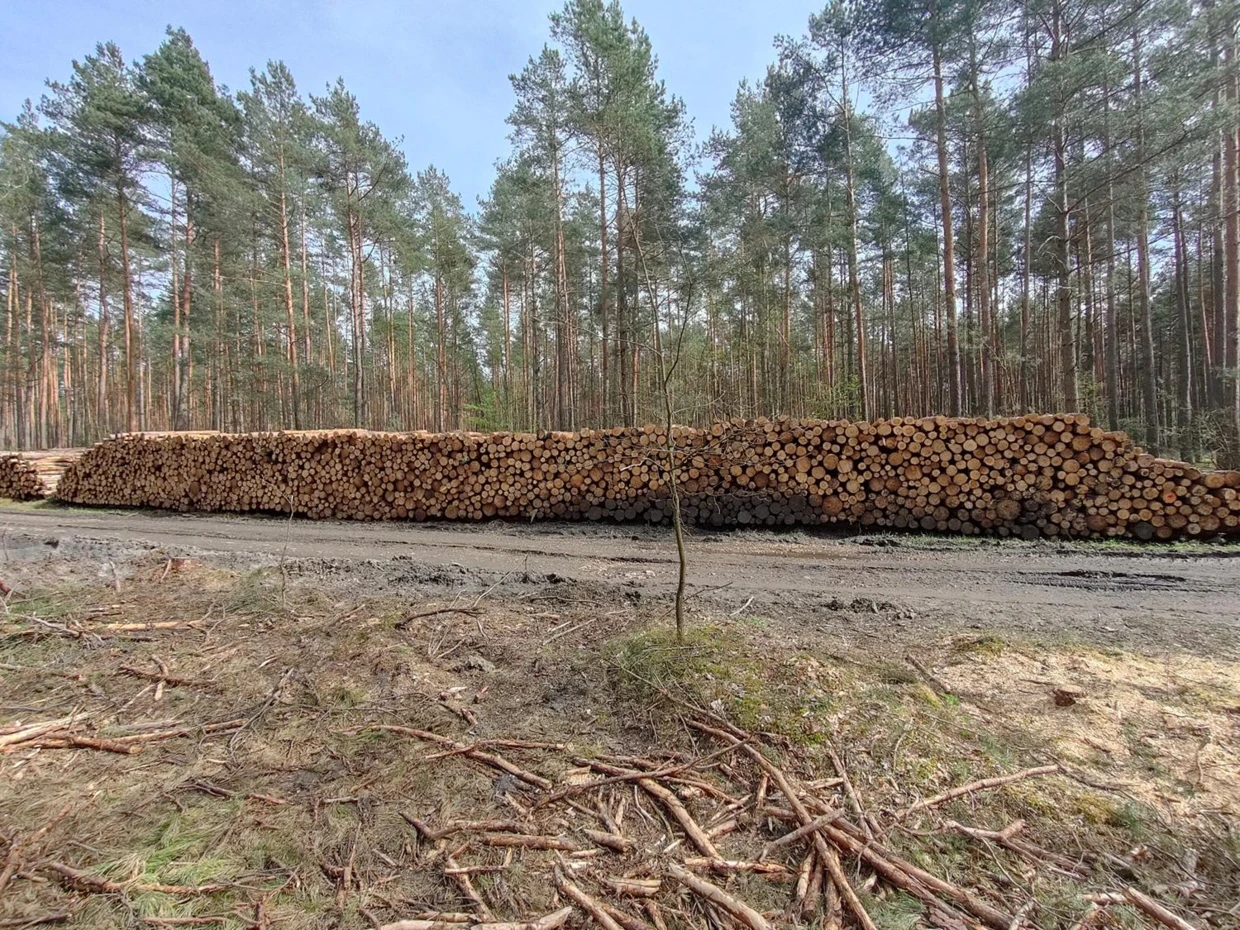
(198, 738)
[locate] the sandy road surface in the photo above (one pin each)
(901, 586)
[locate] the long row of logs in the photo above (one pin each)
(1025, 476)
(19, 479)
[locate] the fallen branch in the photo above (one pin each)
(627, 921)
(217, 791)
(1022, 914)
(585, 902)
(139, 627)
(59, 917)
(18, 847)
(1036, 854)
(408, 620)
(682, 815)
(161, 676)
(633, 887)
(432, 834)
(467, 887)
(465, 748)
(463, 712)
(911, 878)
(1144, 903)
(828, 856)
(443, 916)
(775, 869)
(669, 800)
(820, 885)
(1088, 918)
(627, 775)
(12, 860)
(530, 842)
(613, 841)
(477, 755)
(800, 833)
(21, 734)
(565, 632)
(551, 921)
(78, 880)
(34, 669)
(928, 675)
(200, 730)
(853, 795)
(723, 829)
(981, 785)
(475, 870)
(717, 896)
(56, 740)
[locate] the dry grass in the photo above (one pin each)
(277, 810)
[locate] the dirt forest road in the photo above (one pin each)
(872, 586)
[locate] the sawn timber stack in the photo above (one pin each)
(19, 479)
(1053, 475)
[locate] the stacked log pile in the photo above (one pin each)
(1026, 476)
(19, 479)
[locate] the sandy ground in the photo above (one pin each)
(881, 589)
(272, 657)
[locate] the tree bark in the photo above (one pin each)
(1184, 376)
(949, 246)
(854, 283)
(1231, 244)
(988, 349)
(1149, 386)
(131, 370)
(287, 259)
(1063, 210)
(101, 395)
(1111, 330)
(602, 284)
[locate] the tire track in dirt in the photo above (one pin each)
(1165, 593)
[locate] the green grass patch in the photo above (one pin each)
(713, 668)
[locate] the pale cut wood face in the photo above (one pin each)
(1023, 476)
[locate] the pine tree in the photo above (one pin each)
(102, 123)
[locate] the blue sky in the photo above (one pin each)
(435, 73)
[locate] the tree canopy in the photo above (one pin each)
(944, 207)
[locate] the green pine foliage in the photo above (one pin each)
(965, 206)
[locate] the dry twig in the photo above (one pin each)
(477, 755)
(980, 785)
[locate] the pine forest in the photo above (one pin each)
(959, 207)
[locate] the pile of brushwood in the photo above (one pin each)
(650, 862)
(802, 850)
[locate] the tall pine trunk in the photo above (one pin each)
(602, 287)
(131, 368)
(988, 348)
(854, 283)
(290, 315)
(1111, 330)
(1231, 241)
(103, 417)
(949, 244)
(1149, 386)
(1184, 376)
(1063, 209)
